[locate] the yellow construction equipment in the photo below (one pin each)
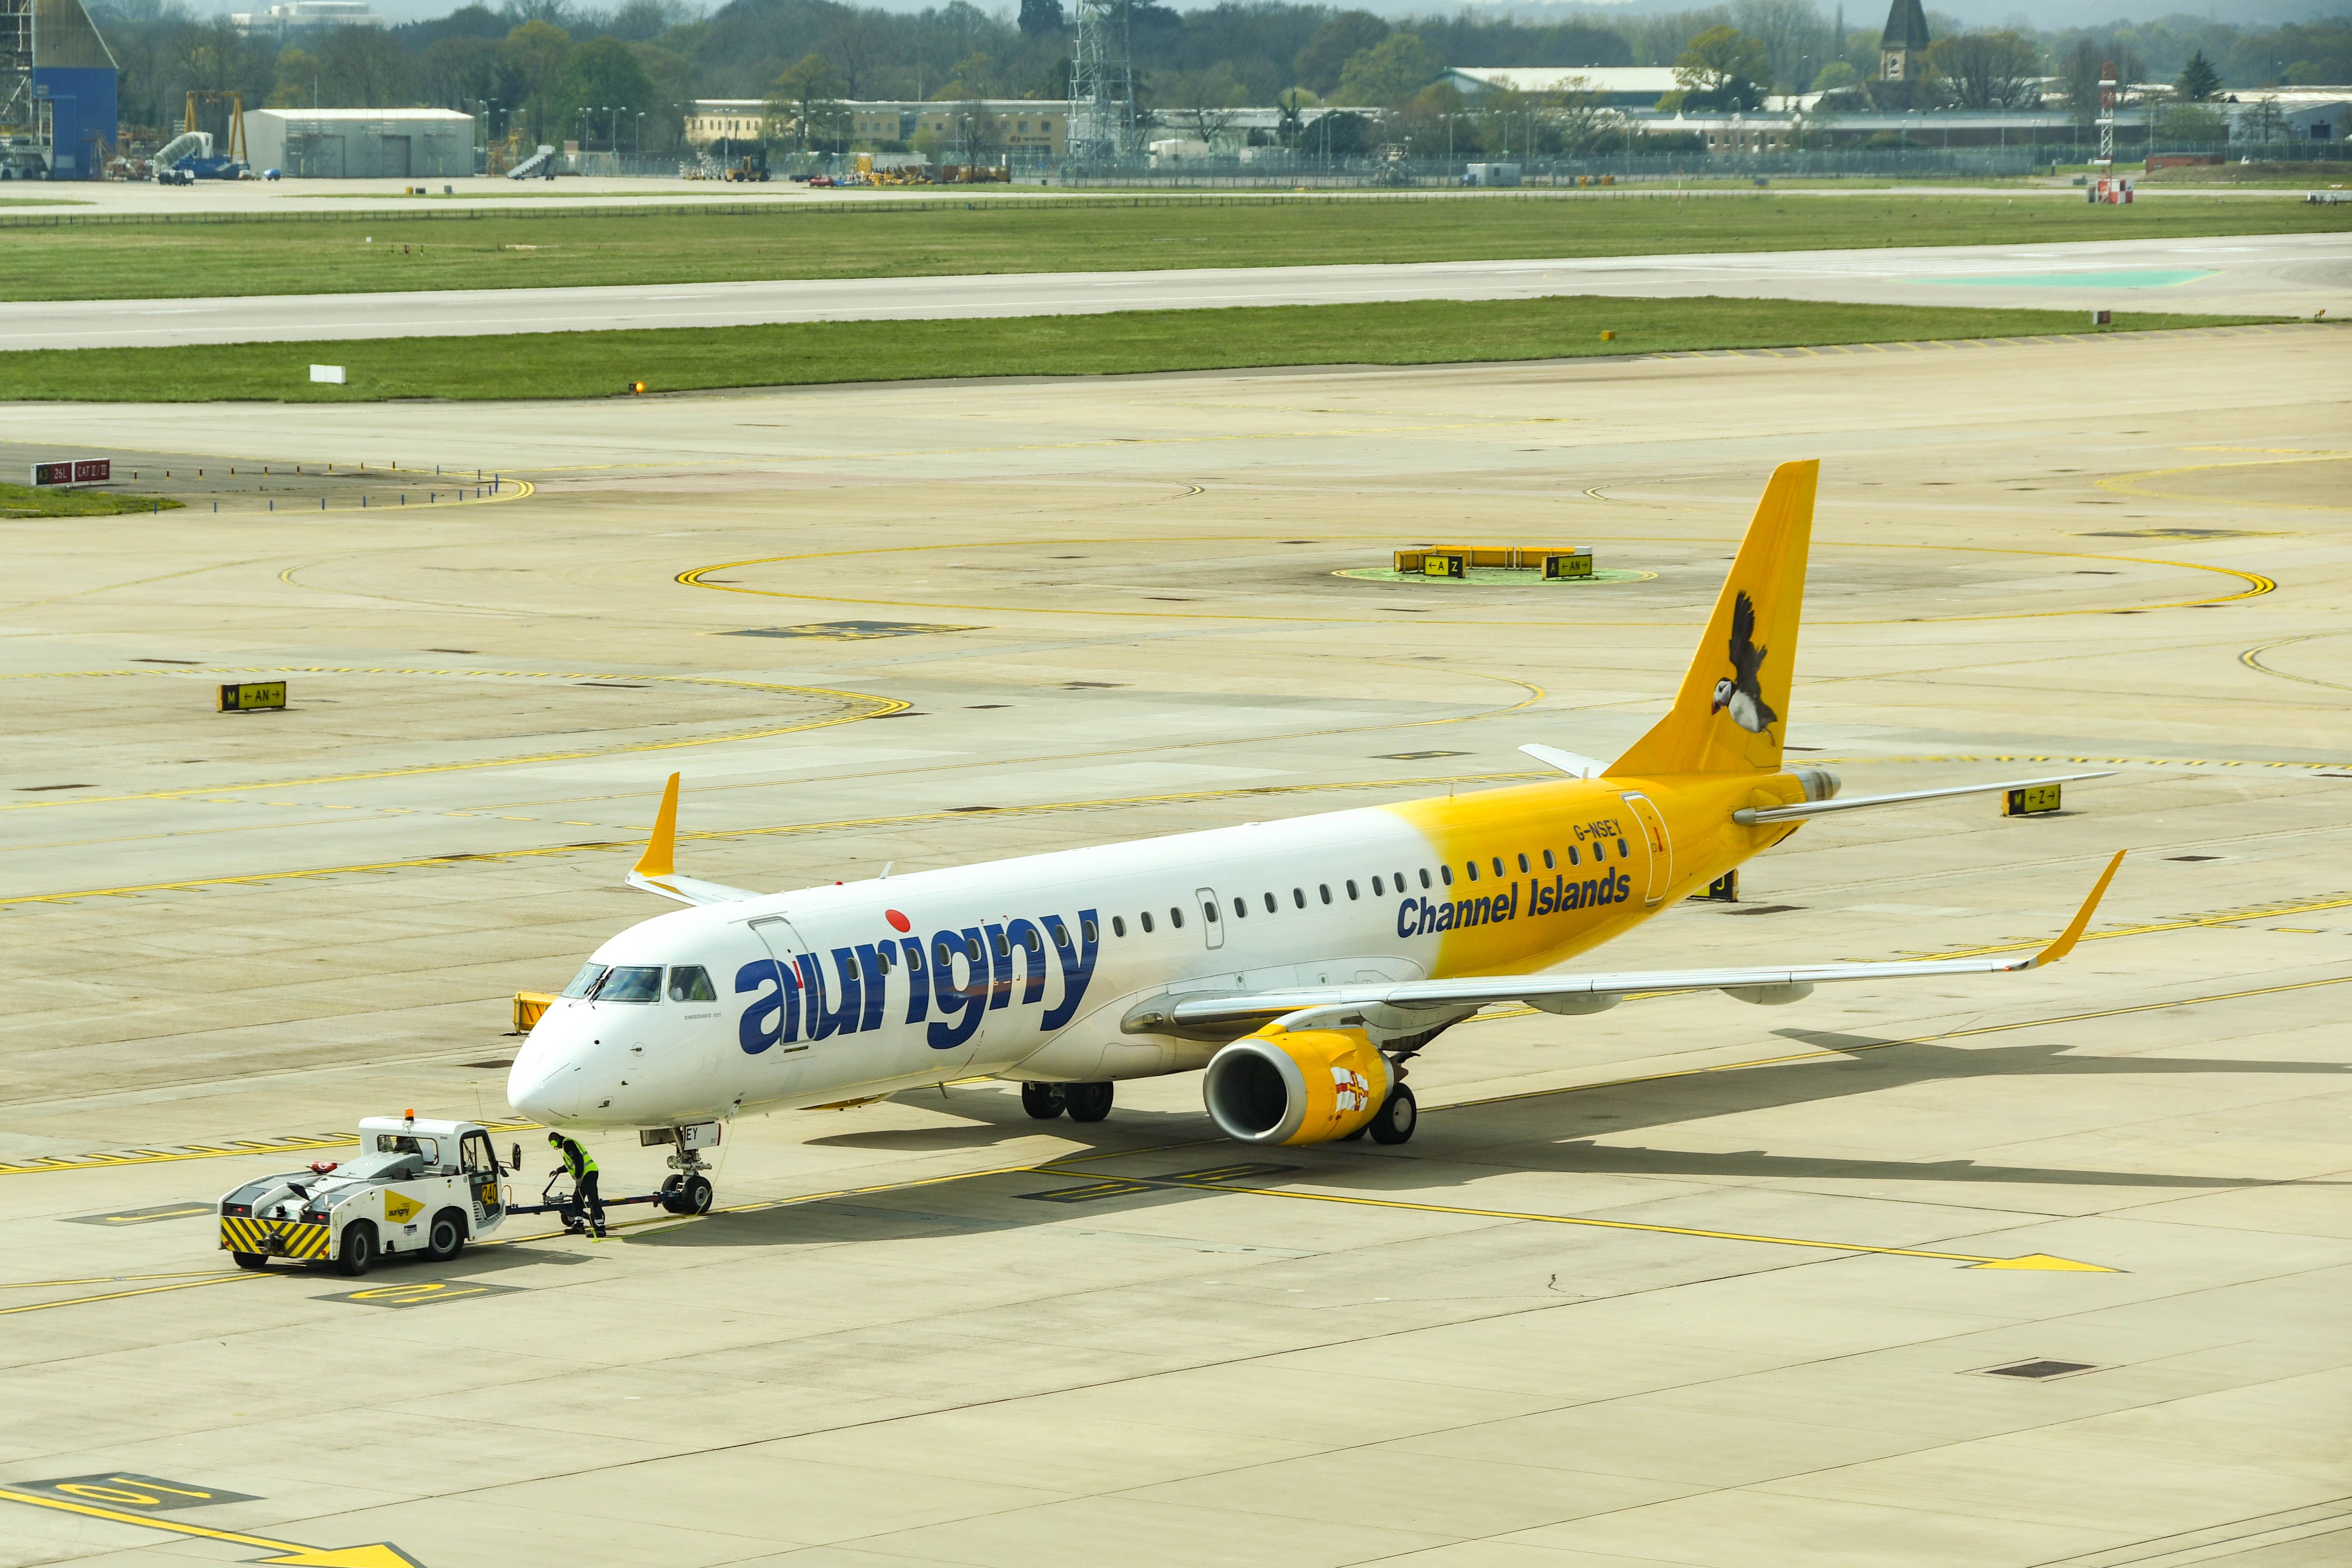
(232, 144)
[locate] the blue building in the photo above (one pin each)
(57, 89)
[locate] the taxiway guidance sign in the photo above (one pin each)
(72, 471)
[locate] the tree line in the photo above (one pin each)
(532, 67)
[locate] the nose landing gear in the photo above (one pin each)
(688, 1191)
(685, 1191)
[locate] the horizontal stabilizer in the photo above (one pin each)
(1568, 763)
(689, 889)
(1748, 817)
(1560, 993)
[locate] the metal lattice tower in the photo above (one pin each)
(16, 107)
(1102, 84)
(2108, 93)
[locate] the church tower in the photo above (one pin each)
(1903, 47)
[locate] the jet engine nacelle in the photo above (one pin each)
(1297, 1086)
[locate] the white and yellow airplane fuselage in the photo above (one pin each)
(1303, 963)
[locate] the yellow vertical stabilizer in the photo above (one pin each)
(1733, 710)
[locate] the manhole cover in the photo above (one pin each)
(2038, 1371)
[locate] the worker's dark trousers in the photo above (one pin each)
(591, 1199)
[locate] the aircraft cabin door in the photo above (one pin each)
(1212, 922)
(784, 945)
(1662, 847)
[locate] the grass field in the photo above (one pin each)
(600, 365)
(454, 249)
(2301, 176)
(23, 501)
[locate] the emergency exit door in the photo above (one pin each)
(1662, 847)
(1213, 919)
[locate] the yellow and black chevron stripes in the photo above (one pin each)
(274, 1238)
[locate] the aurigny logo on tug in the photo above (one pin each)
(797, 998)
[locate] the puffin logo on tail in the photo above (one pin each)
(1739, 693)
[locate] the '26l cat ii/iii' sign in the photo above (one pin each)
(73, 471)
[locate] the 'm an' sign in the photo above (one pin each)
(73, 471)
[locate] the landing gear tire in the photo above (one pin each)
(446, 1236)
(251, 1259)
(1042, 1100)
(1087, 1102)
(686, 1195)
(358, 1250)
(1394, 1122)
(1356, 1135)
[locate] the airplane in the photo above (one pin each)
(1302, 964)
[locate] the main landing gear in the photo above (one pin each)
(1083, 1102)
(1393, 1122)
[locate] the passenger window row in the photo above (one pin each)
(691, 983)
(1273, 902)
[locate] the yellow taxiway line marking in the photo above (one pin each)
(633, 846)
(2130, 484)
(1874, 1045)
(2132, 761)
(867, 706)
(299, 1144)
(2032, 1260)
(215, 1152)
(107, 1280)
(379, 1554)
(2252, 659)
(120, 1295)
(697, 577)
(2186, 922)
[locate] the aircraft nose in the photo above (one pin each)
(544, 1082)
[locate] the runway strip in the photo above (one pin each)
(2294, 275)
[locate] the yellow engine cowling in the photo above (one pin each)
(1297, 1086)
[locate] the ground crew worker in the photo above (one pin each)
(582, 1166)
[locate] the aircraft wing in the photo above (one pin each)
(1440, 1001)
(657, 871)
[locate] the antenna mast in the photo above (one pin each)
(1102, 84)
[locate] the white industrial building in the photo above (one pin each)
(295, 18)
(1615, 87)
(360, 143)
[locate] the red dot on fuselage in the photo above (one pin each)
(899, 921)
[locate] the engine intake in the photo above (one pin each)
(1297, 1086)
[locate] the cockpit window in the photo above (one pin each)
(690, 982)
(631, 983)
(585, 981)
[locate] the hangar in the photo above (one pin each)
(360, 143)
(57, 91)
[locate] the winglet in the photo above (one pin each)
(661, 850)
(2074, 932)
